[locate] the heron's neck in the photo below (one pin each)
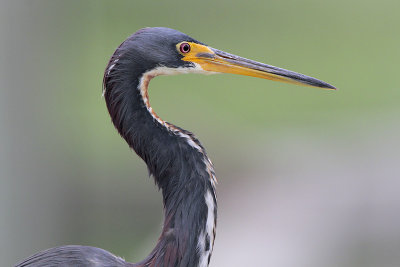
(180, 168)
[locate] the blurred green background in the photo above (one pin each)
(306, 177)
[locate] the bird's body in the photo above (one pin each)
(175, 158)
(74, 256)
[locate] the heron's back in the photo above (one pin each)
(73, 256)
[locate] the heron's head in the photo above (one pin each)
(169, 52)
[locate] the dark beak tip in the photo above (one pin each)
(330, 88)
(325, 85)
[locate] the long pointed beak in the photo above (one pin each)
(211, 59)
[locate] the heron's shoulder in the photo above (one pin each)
(73, 256)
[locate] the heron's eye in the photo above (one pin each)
(184, 48)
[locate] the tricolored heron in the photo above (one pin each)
(174, 157)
